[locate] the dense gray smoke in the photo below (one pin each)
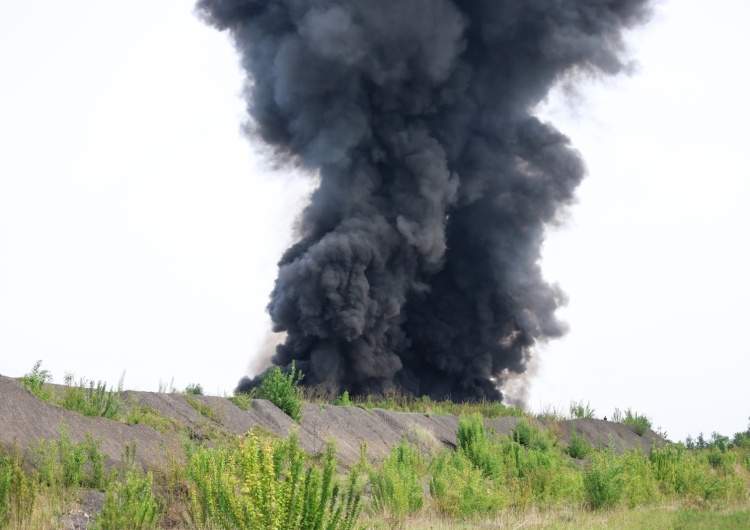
(417, 259)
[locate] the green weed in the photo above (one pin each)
(18, 493)
(396, 483)
(343, 400)
(204, 410)
(194, 389)
(579, 446)
(268, 484)
(64, 464)
(153, 418)
(579, 410)
(37, 382)
(283, 390)
(93, 399)
(639, 422)
(129, 503)
(243, 401)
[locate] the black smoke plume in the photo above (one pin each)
(417, 259)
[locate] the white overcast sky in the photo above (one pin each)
(139, 230)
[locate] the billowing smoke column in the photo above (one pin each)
(417, 259)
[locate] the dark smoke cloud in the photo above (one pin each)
(417, 261)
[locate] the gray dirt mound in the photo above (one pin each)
(25, 419)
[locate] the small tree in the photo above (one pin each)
(283, 390)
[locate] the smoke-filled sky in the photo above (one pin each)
(140, 230)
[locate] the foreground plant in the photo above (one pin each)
(283, 390)
(269, 484)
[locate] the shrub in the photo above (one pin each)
(263, 484)
(243, 401)
(194, 389)
(396, 483)
(129, 503)
(579, 447)
(459, 489)
(343, 400)
(639, 422)
(93, 399)
(531, 436)
(579, 410)
(153, 418)
(18, 492)
(283, 390)
(37, 380)
(474, 441)
(640, 486)
(204, 410)
(603, 480)
(63, 463)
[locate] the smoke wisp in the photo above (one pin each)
(417, 259)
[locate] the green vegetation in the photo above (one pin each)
(153, 418)
(194, 389)
(204, 410)
(93, 399)
(62, 464)
(129, 502)
(269, 484)
(640, 422)
(343, 400)
(243, 401)
(525, 478)
(397, 483)
(37, 382)
(85, 397)
(283, 390)
(579, 446)
(579, 410)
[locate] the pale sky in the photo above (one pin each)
(139, 230)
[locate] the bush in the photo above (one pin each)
(263, 484)
(474, 442)
(195, 390)
(396, 483)
(459, 489)
(531, 436)
(283, 390)
(603, 481)
(579, 447)
(37, 380)
(243, 401)
(579, 410)
(639, 422)
(18, 493)
(93, 399)
(63, 464)
(129, 503)
(343, 400)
